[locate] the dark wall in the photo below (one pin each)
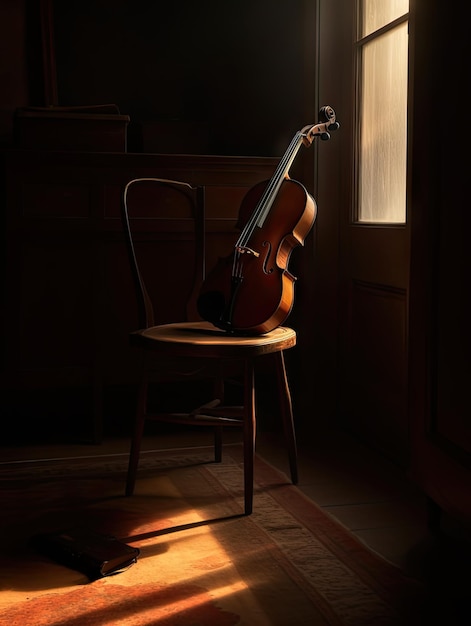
(13, 65)
(234, 68)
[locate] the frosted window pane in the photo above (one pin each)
(383, 124)
(378, 13)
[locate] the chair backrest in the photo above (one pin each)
(170, 207)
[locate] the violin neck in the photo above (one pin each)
(266, 201)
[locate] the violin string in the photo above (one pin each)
(271, 190)
(275, 181)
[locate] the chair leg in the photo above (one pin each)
(249, 435)
(287, 415)
(140, 418)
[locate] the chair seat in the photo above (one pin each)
(202, 339)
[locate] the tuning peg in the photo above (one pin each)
(325, 136)
(334, 126)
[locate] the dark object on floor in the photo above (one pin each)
(93, 554)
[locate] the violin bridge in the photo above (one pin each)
(246, 250)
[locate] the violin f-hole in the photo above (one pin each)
(267, 245)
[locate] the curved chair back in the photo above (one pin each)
(179, 209)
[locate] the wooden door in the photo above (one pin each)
(372, 263)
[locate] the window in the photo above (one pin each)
(382, 73)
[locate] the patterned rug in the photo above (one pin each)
(202, 562)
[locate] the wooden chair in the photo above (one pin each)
(175, 350)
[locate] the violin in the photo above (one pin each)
(252, 291)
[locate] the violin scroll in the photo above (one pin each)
(323, 128)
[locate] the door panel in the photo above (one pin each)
(373, 266)
(378, 255)
(375, 368)
(373, 332)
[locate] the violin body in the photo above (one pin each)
(252, 291)
(264, 297)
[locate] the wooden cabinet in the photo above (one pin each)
(69, 298)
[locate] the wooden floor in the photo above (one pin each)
(351, 482)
